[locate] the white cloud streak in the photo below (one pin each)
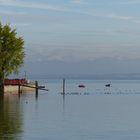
(6, 12)
(15, 3)
(20, 24)
(6, 1)
(131, 2)
(77, 1)
(120, 17)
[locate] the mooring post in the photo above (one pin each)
(36, 88)
(19, 89)
(63, 86)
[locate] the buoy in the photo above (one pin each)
(81, 86)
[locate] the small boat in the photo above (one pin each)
(41, 86)
(108, 85)
(81, 86)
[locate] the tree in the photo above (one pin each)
(11, 53)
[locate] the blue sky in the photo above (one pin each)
(76, 31)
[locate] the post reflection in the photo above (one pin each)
(10, 118)
(63, 102)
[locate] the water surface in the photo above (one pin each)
(91, 113)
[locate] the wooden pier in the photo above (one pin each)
(35, 86)
(24, 87)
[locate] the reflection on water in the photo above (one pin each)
(63, 102)
(10, 118)
(92, 113)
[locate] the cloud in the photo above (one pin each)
(137, 21)
(79, 53)
(79, 2)
(20, 24)
(8, 12)
(6, 1)
(17, 3)
(125, 18)
(131, 2)
(120, 17)
(128, 32)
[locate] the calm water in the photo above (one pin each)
(91, 113)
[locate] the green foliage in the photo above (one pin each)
(11, 51)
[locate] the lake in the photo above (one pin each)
(95, 112)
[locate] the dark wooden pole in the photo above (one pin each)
(19, 89)
(63, 86)
(36, 88)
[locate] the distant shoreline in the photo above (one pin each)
(89, 77)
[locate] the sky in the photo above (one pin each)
(76, 36)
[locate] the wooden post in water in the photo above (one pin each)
(19, 89)
(36, 88)
(63, 86)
